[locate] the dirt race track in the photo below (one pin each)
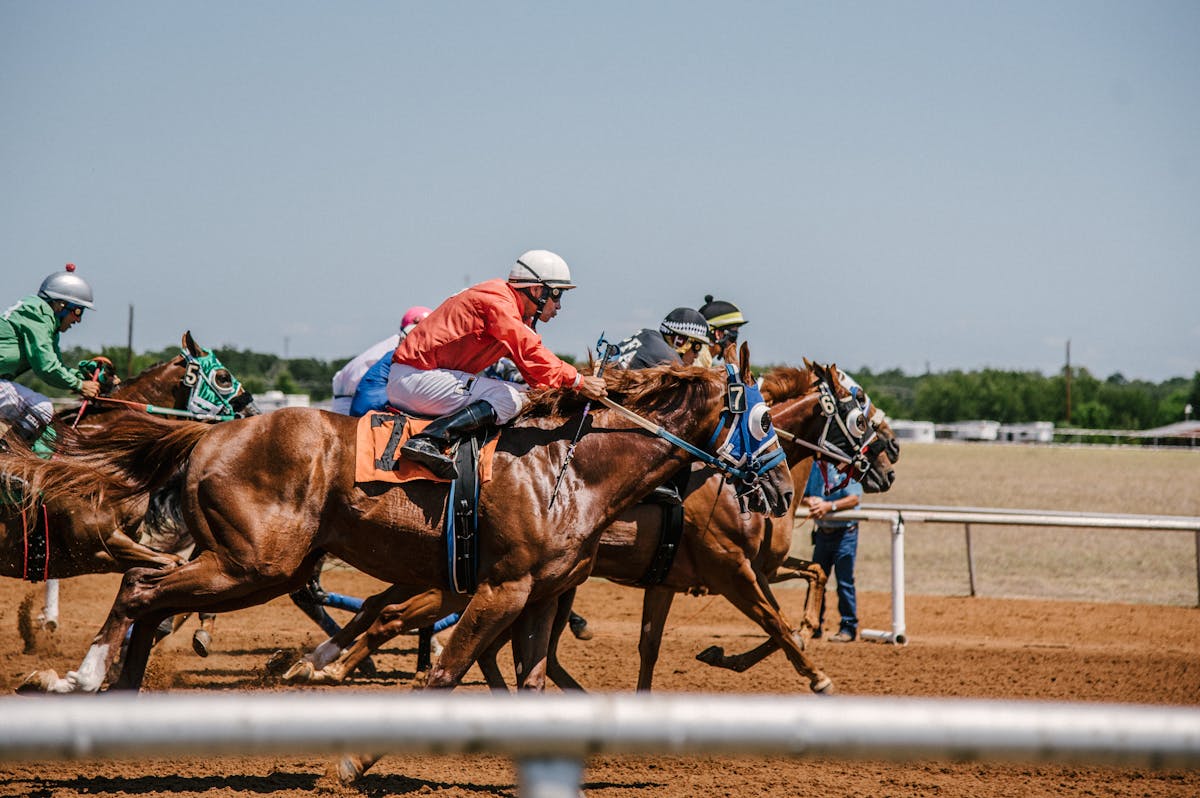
(969, 647)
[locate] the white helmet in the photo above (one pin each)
(541, 267)
(67, 286)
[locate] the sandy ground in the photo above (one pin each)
(960, 646)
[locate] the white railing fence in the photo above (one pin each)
(550, 736)
(898, 515)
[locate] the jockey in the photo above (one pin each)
(29, 333)
(435, 370)
(724, 319)
(682, 336)
(348, 380)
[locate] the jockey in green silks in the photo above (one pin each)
(29, 333)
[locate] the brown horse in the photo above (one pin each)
(720, 551)
(87, 538)
(265, 497)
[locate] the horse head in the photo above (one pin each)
(194, 381)
(824, 414)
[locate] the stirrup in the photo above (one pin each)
(423, 451)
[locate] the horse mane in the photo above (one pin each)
(785, 382)
(639, 390)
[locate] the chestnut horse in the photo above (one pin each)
(265, 497)
(720, 550)
(86, 538)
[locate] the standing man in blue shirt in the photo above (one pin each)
(835, 543)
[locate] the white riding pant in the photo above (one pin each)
(24, 406)
(438, 392)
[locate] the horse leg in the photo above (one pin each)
(488, 666)
(562, 618)
(490, 611)
(656, 606)
(48, 619)
(202, 637)
(531, 643)
(127, 553)
(744, 592)
(334, 659)
(814, 575)
(792, 568)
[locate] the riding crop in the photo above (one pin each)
(608, 351)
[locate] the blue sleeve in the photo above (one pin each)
(371, 393)
(815, 485)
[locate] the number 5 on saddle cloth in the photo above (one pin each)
(378, 439)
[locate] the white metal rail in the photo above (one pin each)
(897, 515)
(550, 736)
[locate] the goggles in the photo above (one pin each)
(681, 344)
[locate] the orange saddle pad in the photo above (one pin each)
(371, 440)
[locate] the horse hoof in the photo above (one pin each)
(713, 655)
(823, 687)
(37, 682)
(300, 673)
(201, 641)
(348, 770)
(278, 663)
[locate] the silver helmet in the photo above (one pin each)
(541, 267)
(67, 286)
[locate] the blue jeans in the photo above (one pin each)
(834, 550)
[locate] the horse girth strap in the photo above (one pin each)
(667, 497)
(462, 514)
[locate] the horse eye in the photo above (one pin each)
(223, 379)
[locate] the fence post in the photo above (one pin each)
(970, 559)
(1198, 567)
(549, 777)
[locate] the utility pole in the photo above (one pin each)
(129, 345)
(1068, 382)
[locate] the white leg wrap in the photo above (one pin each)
(90, 675)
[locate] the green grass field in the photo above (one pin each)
(1128, 566)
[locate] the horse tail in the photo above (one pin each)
(131, 457)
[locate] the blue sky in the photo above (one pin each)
(941, 184)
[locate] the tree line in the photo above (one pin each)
(1005, 396)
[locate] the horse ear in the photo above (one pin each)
(189, 343)
(744, 361)
(808, 364)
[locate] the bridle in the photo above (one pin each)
(750, 449)
(209, 399)
(850, 434)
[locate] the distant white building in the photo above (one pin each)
(913, 431)
(274, 400)
(969, 430)
(1031, 432)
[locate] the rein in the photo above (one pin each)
(658, 431)
(167, 411)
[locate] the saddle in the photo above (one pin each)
(379, 437)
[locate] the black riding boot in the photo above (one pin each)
(429, 447)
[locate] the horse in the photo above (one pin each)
(718, 551)
(81, 538)
(265, 497)
(84, 538)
